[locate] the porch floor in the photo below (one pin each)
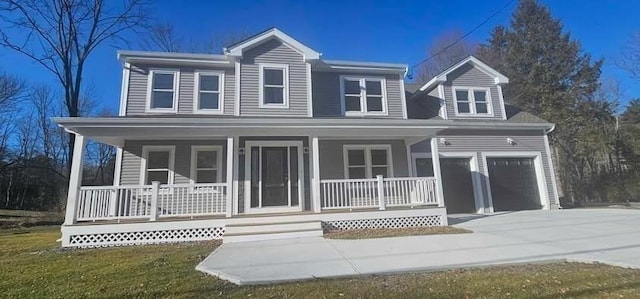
(607, 236)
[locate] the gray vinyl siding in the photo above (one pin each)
(327, 98)
(138, 80)
(470, 76)
(132, 157)
(332, 159)
(493, 141)
(273, 51)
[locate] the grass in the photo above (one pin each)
(393, 232)
(34, 267)
(23, 218)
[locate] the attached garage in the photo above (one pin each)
(513, 183)
(457, 185)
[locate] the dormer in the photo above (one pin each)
(275, 75)
(470, 89)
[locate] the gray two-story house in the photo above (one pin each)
(269, 140)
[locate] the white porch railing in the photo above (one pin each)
(151, 201)
(378, 193)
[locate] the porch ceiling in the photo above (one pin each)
(113, 130)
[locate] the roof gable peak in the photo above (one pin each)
(477, 63)
(238, 48)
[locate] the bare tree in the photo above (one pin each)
(164, 36)
(629, 60)
(444, 51)
(60, 35)
(11, 91)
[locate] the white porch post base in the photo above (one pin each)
(75, 179)
(435, 157)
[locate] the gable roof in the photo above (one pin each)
(238, 48)
(442, 77)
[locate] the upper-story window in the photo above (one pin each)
(274, 86)
(364, 96)
(208, 92)
(472, 101)
(162, 91)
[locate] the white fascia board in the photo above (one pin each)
(164, 57)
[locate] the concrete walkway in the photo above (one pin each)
(590, 235)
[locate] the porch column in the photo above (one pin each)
(315, 174)
(235, 173)
(75, 179)
(231, 149)
(435, 158)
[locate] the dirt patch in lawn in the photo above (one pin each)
(371, 233)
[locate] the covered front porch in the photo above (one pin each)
(178, 173)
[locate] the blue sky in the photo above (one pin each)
(385, 31)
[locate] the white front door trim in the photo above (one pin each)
(475, 176)
(537, 162)
(247, 177)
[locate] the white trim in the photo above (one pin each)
(472, 101)
(236, 103)
(238, 49)
(442, 77)
(314, 161)
(285, 87)
(476, 179)
(247, 177)
(201, 148)
(554, 183)
(409, 161)
(537, 160)
(420, 155)
(236, 175)
(75, 179)
(118, 167)
(501, 100)
(435, 158)
(363, 96)
(145, 154)
(176, 90)
(403, 98)
(124, 92)
(230, 159)
(196, 92)
(309, 91)
(367, 158)
(443, 106)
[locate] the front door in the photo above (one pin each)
(273, 176)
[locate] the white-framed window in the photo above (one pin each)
(162, 90)
(363, 95)
(208, 92)
(367, 161)
(472, 101)
(157, 164)
(206, 164)
(274, 85)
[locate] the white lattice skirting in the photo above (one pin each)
(401, 222)
(146, 237)
(121, 234)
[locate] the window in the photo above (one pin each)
(274, 86)
(157, 164)
(208, 92)
(206, 164)
(362, 96)
(162, 94)
(472, 101)
(367, 161)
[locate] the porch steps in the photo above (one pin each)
(246, 232)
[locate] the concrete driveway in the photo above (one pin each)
(610, 236)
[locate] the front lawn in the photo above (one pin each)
(32, 266)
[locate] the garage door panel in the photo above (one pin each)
(513, 184)
(457, 185)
